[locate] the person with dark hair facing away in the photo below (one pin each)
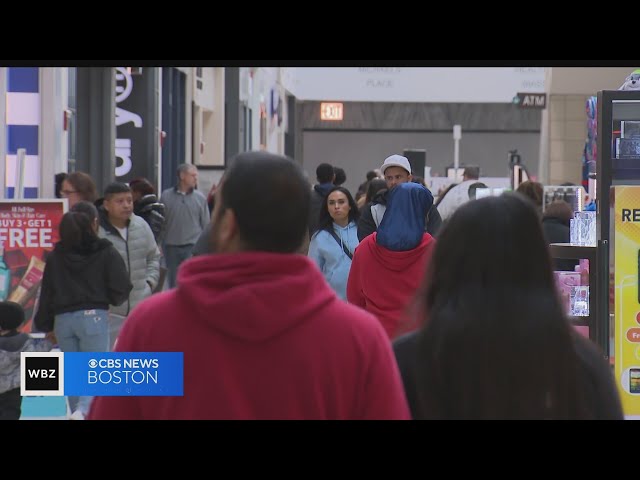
(495, 342)
(59, 178)
(146, 205)
(325, 175)
(83, 275)
(396, 170)
(263, 335)
(341, 176)
(389, 265)
(534, 191)
(473, 189)
(555, 225)
(371, 175)
(373, 188)
(133, 239)
(333, 244)
(12, 343)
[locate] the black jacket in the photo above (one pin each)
(598, 386)
(91, 277)
(367, 225)
(152, 212)
(557, 232)
(318, 195)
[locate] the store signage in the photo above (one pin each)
(331, 111)
(627, 297)
(531, 100)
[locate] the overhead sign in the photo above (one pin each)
(331, 111)
(531, 100)
(413, 84)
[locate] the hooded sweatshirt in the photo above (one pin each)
(389, 265)
(264, 337)
(384, 282)
(91, 276)
(331, 258)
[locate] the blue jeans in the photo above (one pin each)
(82, 331)
(115, 325)
(174, 255)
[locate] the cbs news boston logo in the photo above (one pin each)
(102, 373)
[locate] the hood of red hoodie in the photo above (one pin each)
(397, 261)
(253, 296)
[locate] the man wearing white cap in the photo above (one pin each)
(396, 169)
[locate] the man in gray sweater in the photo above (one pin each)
(187, 214)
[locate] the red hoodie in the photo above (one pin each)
(383, 282)
(264, 337)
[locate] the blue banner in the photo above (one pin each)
(123, 373)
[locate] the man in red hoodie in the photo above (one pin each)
(263, 335)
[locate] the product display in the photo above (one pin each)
(572, 194)
(583, 229)
(573, 288)
(29, 283)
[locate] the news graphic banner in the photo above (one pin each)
(29, 230)
(102, 373)
(627, 297)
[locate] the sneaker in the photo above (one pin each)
(77, 415)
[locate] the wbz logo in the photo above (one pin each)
(42, 374)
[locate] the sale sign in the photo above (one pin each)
(29, 230)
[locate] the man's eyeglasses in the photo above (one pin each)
(68, 192)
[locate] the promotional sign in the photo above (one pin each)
(29, 229)
(627, 301)
(101, 373)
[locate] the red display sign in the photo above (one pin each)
(29, 230)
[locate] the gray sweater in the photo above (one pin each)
(186, 216)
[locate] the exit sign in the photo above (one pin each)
(531, 100)
(331, 111)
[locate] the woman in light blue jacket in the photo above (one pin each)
(333, 243)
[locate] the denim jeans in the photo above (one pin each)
(82, 331)
(174, 255)
(115, 325)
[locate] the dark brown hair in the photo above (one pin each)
(84, 185)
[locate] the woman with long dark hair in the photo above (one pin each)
(333, 243)
(82, 276)
(495, 342)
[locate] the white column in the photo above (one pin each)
(543, 158)
(54, 147)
